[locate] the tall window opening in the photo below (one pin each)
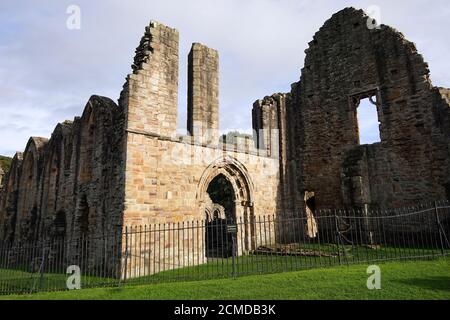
(367, 115)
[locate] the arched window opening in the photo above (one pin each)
(367, 117)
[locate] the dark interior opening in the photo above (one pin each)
(447, 190)
(219, 242)
(60, 224)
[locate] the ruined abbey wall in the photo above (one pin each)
(167, 175)
(122, 165)
(8, 199)
(272, 131)
(347, 61)
(70, 185)
(163, 171)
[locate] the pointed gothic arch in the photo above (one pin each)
(229, 176)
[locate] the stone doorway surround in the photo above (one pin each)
(243, 210)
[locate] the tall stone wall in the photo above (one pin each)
(167, 182)
(346, 61)
(8, 199)
(30, 186)
(271, 128)
(268, 117)
(164, 179)
(162, 170)
(203, 94)
(167, 176)
(70, 185)
(150, 95)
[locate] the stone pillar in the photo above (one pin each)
(268, 120)
(203, 94)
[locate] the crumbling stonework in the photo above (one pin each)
(8, 199)
(69, 185)
(119, 166)
(346, 61)
(150, 95)
(123, 165)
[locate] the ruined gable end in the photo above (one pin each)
(348, 63)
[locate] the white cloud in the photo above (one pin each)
(48, 72)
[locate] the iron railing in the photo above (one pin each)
(197, 250)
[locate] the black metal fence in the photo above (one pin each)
(197, 250)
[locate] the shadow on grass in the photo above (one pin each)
(430, 283)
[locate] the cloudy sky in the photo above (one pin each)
(48, 72)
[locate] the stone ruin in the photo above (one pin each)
(122, 164)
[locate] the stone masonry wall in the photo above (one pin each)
(166, 176)
(150, 95)
(271, 129)
(8, 199)
(167, 181)
(203, 94)
(347, 61)
(30, 186)
(71, 185)
(122, 166)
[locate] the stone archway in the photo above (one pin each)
(225, 196)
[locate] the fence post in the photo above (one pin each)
(233, 242)
(438, 222)
(126, 259)
(337, 236)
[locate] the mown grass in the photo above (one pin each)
(399, 280)
(220, 268)
(273, 263)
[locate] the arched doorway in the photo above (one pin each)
(225, 199)
(220, 212)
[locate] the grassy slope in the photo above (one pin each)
(399, 280)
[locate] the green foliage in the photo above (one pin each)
(5, 163)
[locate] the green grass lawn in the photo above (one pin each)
(218, 268)
(426, 279)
